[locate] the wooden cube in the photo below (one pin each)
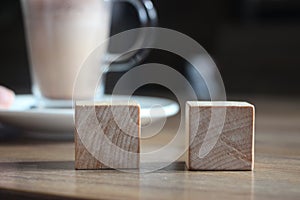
(220, 135)
(107, 135)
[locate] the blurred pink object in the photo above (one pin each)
(6, 97)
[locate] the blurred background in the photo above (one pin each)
(255, 43)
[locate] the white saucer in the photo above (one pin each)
(24, 115)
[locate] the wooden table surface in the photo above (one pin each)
(45, 169)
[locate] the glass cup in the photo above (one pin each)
(61, 34)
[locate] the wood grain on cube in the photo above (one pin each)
(107, 135)
(229, 146)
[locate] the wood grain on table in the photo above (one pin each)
(45, 169)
